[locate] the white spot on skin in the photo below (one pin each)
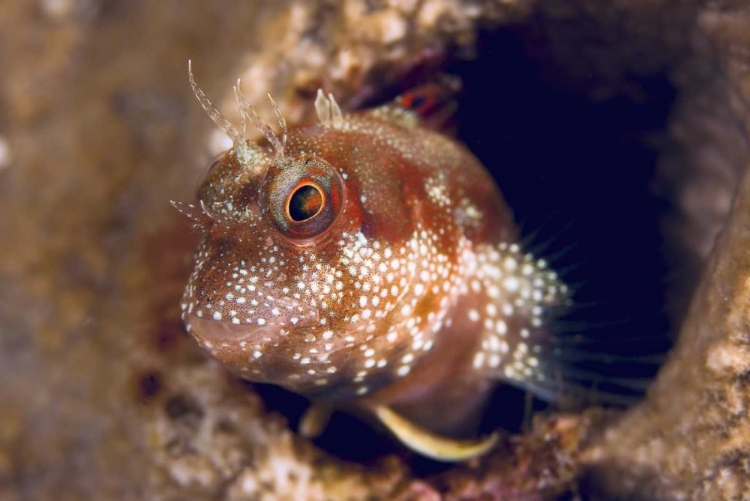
(479, 360)
(511, 284)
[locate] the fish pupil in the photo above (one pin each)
(305, 203)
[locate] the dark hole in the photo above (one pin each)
(183, 407)
(577, 174)
(305, 203)
(149, 385)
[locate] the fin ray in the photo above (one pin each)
(430, 444)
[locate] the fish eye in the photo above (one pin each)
(303, 198)
(305, 202)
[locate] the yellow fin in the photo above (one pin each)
(315, 420)
(430, 444)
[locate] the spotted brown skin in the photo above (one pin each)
(367, 261)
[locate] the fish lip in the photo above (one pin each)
(263, 329)
(211, 333)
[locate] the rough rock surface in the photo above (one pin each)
(104, 397)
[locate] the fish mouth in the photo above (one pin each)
(215, 332)
(239, 347)
(229, 327)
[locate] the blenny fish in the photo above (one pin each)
(368, 261)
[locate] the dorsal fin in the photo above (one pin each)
(431, 104)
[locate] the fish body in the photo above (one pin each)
(366, 260)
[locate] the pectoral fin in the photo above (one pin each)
(430, 444)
